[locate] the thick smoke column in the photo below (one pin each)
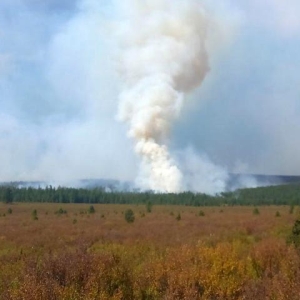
(162, 58)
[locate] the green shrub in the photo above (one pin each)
(295, 236)
(149, 207)
(201, 213)
(129, 216)
(91, 210)
(277, 214)
(9, 211)
(34, 215)
(61, 212)
(178, 218)
(256, 211)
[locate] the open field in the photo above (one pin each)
(64, 252)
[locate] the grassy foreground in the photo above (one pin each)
(53, 251)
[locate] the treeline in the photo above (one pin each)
(99, 195)
(272, 195)
(288, 194)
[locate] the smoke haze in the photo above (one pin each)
(160, 62)
(60, 92)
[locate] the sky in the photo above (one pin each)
(59, 91)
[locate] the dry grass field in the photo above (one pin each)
(210, 253)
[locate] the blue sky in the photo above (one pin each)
(59, 91)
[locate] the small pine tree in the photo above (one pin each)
(277, 214)
(201, 213)
(61, 212)
(256, 211)
(91, 210)
(149, 207)
(34, 215)
(178, 218)
(291, 211)
(129, 216)
(9, 211)
(295, 236)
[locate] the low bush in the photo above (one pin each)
(129, 216)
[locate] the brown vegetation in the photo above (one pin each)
(218, 253)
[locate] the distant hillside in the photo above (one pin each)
(108, 184)
(277, 179)
(285, 194)
(236, 181)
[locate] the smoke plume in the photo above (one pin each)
(59, 86)
(162, 59)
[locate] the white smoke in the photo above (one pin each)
(58, 90)
(162, 58)
(200, 174)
